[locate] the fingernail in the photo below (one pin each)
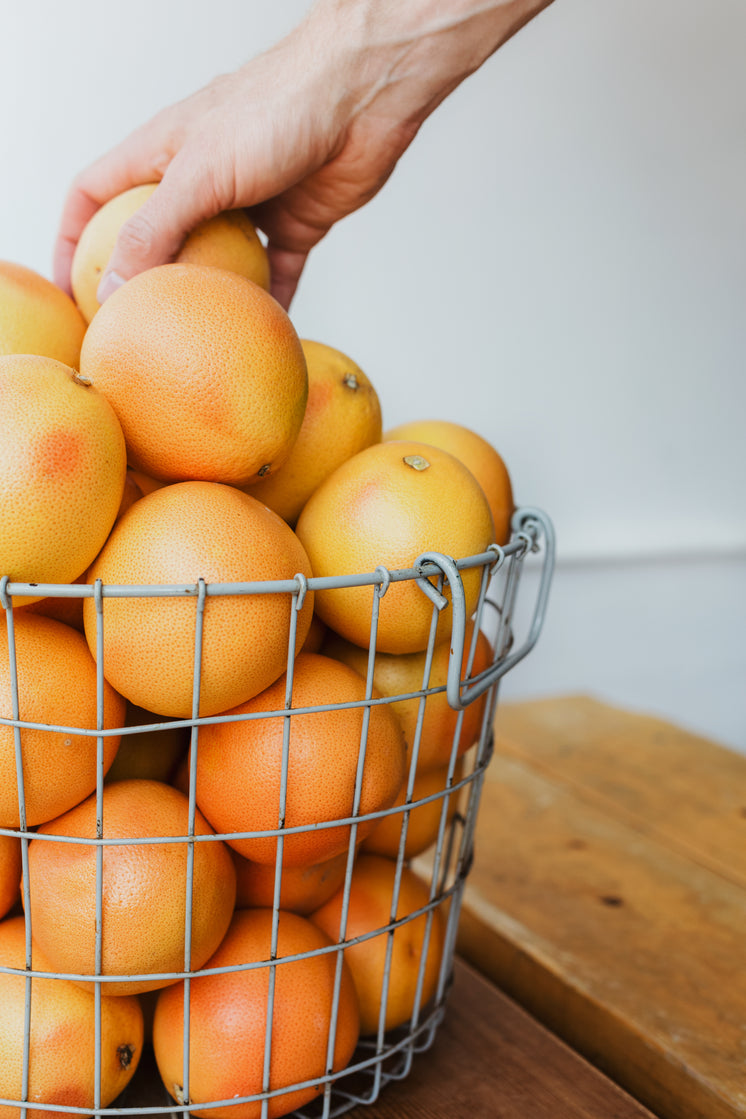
(110, 281)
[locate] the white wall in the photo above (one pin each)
(559, 262)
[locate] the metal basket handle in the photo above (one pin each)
(534, 527)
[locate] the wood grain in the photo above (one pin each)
(608, 896)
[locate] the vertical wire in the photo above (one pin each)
(7, 603)
(502, 640)
(192, 812)
(295, 606)
(378, 593)
(443, 829)
(401, 851)
(98, 951)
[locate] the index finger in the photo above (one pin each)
(78, 210)
(142, 158)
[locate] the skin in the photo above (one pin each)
(301, 136)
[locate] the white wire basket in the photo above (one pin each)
(385, 1054)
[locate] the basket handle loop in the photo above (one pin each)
(447, 566)
(534, 529)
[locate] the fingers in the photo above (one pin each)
(141, 158)
(79, 209)
(186, 196)
(285, 269)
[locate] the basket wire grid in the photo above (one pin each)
(387, 1055)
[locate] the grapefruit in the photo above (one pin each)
(10, 872)
(204, 370)
(487, 466)
(62, 1036)
(229, 240)
(144, 888)
(154, 754)
(396, 674)
(37, 317)
(177, 535)
(386, 506)
(228, 1020)
(67, 610)
(371, 908)
(239, 765)
(57, 687)
(62, 470)
(303, 888)
(423, 821)
(343, 416)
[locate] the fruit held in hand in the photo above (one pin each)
(229, 240)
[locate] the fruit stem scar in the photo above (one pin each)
(81, 380)
(125, 1053)
(417, 462)
(350, 381)
(264, 469)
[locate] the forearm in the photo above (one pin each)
(403, 57)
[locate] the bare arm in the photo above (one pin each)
(301, 135)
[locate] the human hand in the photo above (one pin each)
(301, 136)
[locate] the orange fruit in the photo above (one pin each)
(239, 765)
(228, 1019)
(303, 888)
(62, 467)
(343, 416)
(386, 506)
(67, 610)
(177, 535)
(56, 686)
(62, 1038)
(37, 317)
(370, 908)
(205, 371)
(144, 483)
(131, 494)
(317, 632)
(152, 754)
(144, 888)
(228, 240)
(10, 872)
(487, 466)
(402, 673)
(423, 822)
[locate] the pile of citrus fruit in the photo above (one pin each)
(183, 435)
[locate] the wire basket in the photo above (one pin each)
(385, 1054)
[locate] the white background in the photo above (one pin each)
(559, 262)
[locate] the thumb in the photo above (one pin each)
(156, 232)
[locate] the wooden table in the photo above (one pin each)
(608, 897)
(607, 900)
(492, 1060)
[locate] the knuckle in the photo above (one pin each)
(137, 238)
